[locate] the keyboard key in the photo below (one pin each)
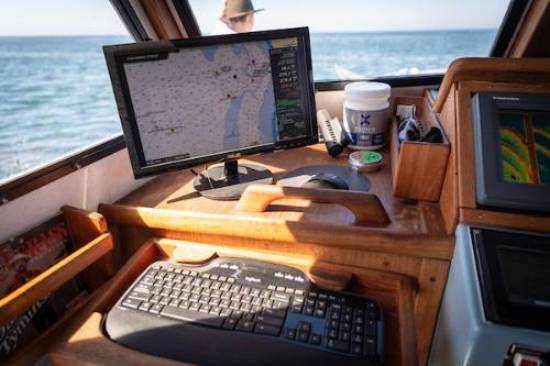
(131, 303)
(308, 310)
(304, 327)
(290, 333)
(302, 336)
(215, 310)
(357, 338)
(370, 346)
(332, 333)
(279, 305)
(145, 306)
(156, 308)
(191, 316)
(174, 302)
(224, 313)
(205, 308)
(320, 313)
(370, 327)
(269, 320)
(356, 349)
(255, 292)
(230, 323)
(315, 339)
(296, 308)
(345, 336)
(267, 329)
(338, 345)
(245, 326)
(277, 313)
(236, 314)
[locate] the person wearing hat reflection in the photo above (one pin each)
(237, 17)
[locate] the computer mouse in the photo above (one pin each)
(326, 181)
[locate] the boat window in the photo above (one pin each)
(357, 39)
(55, 92)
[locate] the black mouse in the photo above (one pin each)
(327, 181)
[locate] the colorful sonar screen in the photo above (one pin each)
(525, 144)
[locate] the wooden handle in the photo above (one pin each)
(17, 302)
(366, 208)
(332, 279)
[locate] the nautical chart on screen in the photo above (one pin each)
(206, 100)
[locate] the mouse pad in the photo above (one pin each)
(356, 181)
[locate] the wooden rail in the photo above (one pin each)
(18, 301)
(366, 208)
(279, 230)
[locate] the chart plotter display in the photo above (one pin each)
(525, 143)
(213, 99)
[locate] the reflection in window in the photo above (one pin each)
(355, 39)
(55, 92)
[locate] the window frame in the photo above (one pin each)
(37, 178)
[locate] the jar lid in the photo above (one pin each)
(365, 161)
(367, 90)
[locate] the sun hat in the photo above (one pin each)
(238, 8)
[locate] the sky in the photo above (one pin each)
(82, 17)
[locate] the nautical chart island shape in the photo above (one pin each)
(203, 101)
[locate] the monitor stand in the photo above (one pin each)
(228, 181)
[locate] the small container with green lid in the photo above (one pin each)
(366, 161)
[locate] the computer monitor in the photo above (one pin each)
(512, 150)
(209, 99)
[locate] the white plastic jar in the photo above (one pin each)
(366, 114)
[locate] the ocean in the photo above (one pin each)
(56, 96)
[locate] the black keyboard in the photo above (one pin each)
(243, 298)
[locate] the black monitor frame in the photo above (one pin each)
(497, 305)
(115, 55)
(491, 188)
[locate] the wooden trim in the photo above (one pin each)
(529, 28)
(248, 227)
(366, 208)
(84, 226)
(520, 221)
(18, 301)
(493, 70)
(465, 149)
(410, 350)
(161, 19)
(431, 282)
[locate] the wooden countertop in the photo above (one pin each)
(175, 191)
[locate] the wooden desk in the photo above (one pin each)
(175, 191)
(414, 244)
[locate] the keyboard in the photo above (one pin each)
(244, 312)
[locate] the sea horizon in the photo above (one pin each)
(56, 95)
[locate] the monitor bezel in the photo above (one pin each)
(114, 55)
(491, 188)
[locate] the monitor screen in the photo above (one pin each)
(198, 100)
(525, 146)
(512, 150)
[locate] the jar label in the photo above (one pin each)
(366, 128)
